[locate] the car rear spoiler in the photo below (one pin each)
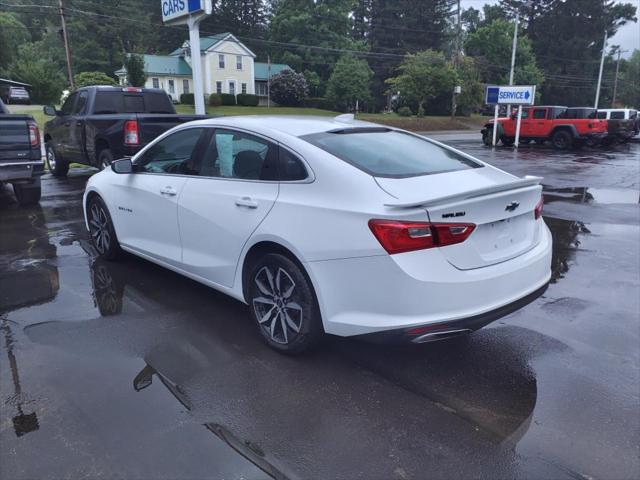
(527, 181)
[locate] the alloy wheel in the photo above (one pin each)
(51, 158)
(277, 309)
(99, 227)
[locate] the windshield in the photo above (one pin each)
(388, 153)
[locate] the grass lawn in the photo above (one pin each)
(239, 110)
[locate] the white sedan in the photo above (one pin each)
(328, 225)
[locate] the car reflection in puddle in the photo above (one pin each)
(288, 415)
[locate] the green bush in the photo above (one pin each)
(228, 99)
(187, 98)
(215, 100)
(404, 111)
(87, 79)
(247, 100)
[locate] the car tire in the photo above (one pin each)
(103, 234)
(105, 158)
(525, 141)
(508, 141)
(55, 163)
(28, 193)
(487, 137)
(283, 304)
(561, 140)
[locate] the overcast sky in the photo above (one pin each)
(628, 37)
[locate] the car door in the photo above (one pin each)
(540, 126)
(75, 142)
(526, 127)
(145, 202)
(59, 125)
(220, 209)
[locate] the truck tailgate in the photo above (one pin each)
(14, 138)
(152, 125)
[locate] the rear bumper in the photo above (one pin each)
(395, 292)
(20, 171)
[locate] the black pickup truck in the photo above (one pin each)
(20, 156)
(96, 125)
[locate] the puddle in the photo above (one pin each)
(604, 196)
(566, 242)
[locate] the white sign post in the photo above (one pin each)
(509, 95)
(191, 13)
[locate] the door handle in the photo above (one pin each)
(246, 202)
(169, 191)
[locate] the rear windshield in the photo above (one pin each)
(121, 102)
(389, 153)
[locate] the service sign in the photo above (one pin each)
(511, 95)
(173, 10)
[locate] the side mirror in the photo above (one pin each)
(49, 110)
(122, 166)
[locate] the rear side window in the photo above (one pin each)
(617, 115)
(121, 102)
(389, 153)
(290, 167)
(539, 114)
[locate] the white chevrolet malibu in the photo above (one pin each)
(328, 225)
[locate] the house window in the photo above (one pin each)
(244, 88)
(238, 62)
(156, 83)
(221, 61)
(172, 87)
(218, 87)
(185, 86)
(232, 88)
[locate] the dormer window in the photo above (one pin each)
(238, 62)
(221, 61)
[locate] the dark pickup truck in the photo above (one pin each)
(96, 125)
(20, 156)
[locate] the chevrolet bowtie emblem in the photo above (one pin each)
(512, 206)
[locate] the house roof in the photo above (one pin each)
(261, 70)
(207, 42)
(162, 65)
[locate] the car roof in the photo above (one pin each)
(296, 125)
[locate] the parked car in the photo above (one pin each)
(20, 156)
(547, 123)
(97, 124)
(624, 123)
(328, 225)
(14, 95)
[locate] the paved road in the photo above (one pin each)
(127, 370)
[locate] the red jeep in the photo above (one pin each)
(542, 123)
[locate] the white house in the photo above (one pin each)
(228, 66)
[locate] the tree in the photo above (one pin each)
(472, 95)
(134, 64)
(289, 88)
(313, 82)
(567, 41)
(86, 79)
(629, 81)
(491, 45)
(46, 83)
(423, 77)
(350, 81)
(12, 34)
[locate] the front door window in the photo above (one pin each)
(232, 88)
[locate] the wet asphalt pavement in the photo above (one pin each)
(126, 370)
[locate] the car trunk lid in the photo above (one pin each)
(499, 205)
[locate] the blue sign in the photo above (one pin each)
(512, 94)
(180, 9)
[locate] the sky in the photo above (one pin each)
(628, 36)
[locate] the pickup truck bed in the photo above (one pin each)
(97, 125)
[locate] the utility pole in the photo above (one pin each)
(615, 82)
(456, 59)
(67, 47)
(604, 50)
(268, 81)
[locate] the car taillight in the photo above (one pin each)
(537, 212)
(131, 89)
(398, 236)
(131, 136)
(34, 134)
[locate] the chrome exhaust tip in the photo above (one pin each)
(441, 335)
